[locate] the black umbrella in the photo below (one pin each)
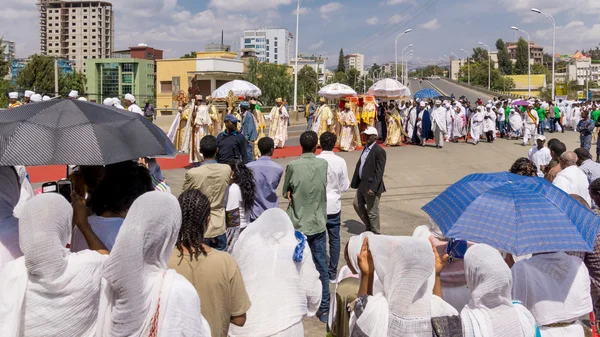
(65, 131)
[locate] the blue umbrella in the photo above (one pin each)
(427, 93)
(520, 215)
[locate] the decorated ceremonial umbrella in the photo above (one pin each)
(65, 131)
(520, 215)
(336, 91)
(388, 88)
(520, 102)
(239, 88)
(427, 93)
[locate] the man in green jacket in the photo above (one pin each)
(542, 115)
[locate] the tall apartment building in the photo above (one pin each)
(272, 45)
(76, 30)
(356, 61)
(8, 50)
(537, 52)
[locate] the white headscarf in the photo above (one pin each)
(491, 313)
(405, 266)
(140, 285)
(281, 290)
(27, 191)
(49, 284)
(9, 224)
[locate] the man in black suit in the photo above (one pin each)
(368, 181)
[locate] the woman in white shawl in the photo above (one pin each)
(27, 191)
(49, 291)
(280, 277)
(477, 124)
(407, 306)
(458, 124)
(491, 311)
(144, 298)
(411, 119)
(489, 124)
(516, 124)
(9, 224)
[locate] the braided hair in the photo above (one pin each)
(195, 212)
(524, 167)
(244, 178)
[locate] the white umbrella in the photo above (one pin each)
(388, 88)
(239, 88)
(336, 91)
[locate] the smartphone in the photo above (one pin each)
(50, 187)
(65, 187)
(456, 249)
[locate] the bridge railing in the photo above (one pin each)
(482, 89)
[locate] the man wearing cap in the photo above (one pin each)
(231, 144)
(248, 128)
(368, 181)
(279, 122)
(27, 96)
(13, 100)
(73, 94)
(309, 112)
(540, 155)
(129, 101)
(36, 98)
(439, 124)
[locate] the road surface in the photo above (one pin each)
(448, 88)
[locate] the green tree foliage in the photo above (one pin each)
(479, 76)
(479, 55)
(273, 80)
(38, 74)
(537, 69)
(522, 58)
(338, 77)
(341, 65)
(4, 84)
(191, 55)
(504, 61)
(354, 79)
(430, 70)
(307, 83)
(68, 82)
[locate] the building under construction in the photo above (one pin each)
(76, 30)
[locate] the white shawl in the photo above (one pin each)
(49, 291)
(281, 291)
(491, 313)
(140, 287)
(9, 224)
(27, 191)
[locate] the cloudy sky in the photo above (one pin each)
(367, 26)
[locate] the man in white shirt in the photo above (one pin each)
(129, 101)
(540, 155)
(438, 124)
(337, 183)
(501, 118)
(571, 179)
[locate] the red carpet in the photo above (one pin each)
(40, 174)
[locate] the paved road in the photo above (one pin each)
(448, 88)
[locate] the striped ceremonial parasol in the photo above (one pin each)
(520, 215)
(427, 93)
(65, 131)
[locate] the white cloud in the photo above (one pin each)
(395, 2)
(569, 38)
(397, 18)
(303, 11)
(431, 25)
(247, 5)
(316, 45)
(372, 20)
(329, 8)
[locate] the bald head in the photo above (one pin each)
(567, 159)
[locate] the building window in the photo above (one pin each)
(93, 10)
(93, 30)
(93, 50)
(85, 50)
(128, 67)
(72, 23)
(73, 30)
(166, 87)
(275, 51)
(73, 44)
(275, 43)
(73, 17)
(73, 51)
(85, 31)
(85, 10)
(93, 43)
(85, 37)
(127, 78)
(85, 16)
(248, 41)
(85, 57)
(85, 23)
(93, 23)
(85, 43)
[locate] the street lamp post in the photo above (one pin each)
(403, 49)
(403, 69)
(489, 65)
(551, 18)
(396, 48)
(468, 67)
(528, 59)
(296, 61)
(450, 75)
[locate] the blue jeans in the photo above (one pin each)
(333, 230)
(250, 150)
(318, 248)
(309, 123)
(502, 127)
(541, 128)
(218, 242)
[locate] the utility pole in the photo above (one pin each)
(55, 77)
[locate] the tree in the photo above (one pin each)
(73, 81)
(537, 69)
(504, 61)
(4, 84)
(307, 82)
(354, 80)
(38, 74)
(521, 65)
(273, 79)
(479, 54)
(341, 62)
(191, 55)
(338, 77)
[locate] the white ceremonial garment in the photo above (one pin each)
(572, 180)
(142, 294)
(135, 109)
(540, 158)
(491, 311)
(27, 191)
(281, 290)
(555, 287)
(438, 120)
(9, 224)
(49, 292)
(489, 123)
(477, 125)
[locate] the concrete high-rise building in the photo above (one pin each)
(8, 50)
(356, 61)
(272, 45)
(76, 30)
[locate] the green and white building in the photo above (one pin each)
(115, 77)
